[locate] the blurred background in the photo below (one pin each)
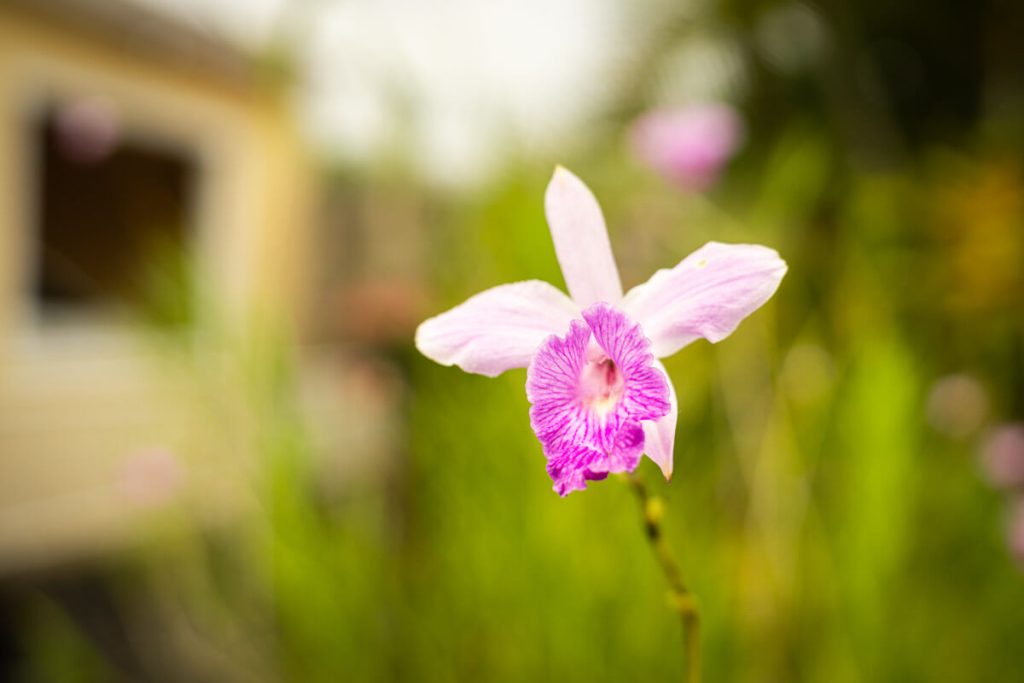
(221, 458)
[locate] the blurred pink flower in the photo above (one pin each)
(689, 146)
(88, 129)
(1002, 456)
(151, 477)
(599, 397)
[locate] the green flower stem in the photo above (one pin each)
(681, 599)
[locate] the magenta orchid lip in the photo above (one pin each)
(599, 396)
(590, 393)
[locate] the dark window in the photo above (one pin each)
(108, 206)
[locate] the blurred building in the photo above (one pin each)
(125, 139)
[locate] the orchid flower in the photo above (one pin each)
(688, 146)
(599, 397)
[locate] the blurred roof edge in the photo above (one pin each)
(136, 29)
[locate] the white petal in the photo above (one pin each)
(660, 434)
(581, 241)
(706, 295)
(498, 329)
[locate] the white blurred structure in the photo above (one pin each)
(453, 86)
(472, 79)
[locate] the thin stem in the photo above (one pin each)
(682, 600)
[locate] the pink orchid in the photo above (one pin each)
(599, 398)
(688, 146)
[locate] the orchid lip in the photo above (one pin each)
(601, 386)
(590, 392)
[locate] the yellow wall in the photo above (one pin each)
(75, 402)
(255, 199)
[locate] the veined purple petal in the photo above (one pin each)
(498, 329)
(572, 466)
(581, 241)
(646, 392)
(590, 393)
(706, 295)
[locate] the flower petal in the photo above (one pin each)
(572, 467)
(552, 388)
(706, 295)
(498, 329)
(583, 440)
(581, 241)
(646, 395)
(660, 434)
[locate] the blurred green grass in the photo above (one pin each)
(829, 531)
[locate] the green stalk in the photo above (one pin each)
(681, 599)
